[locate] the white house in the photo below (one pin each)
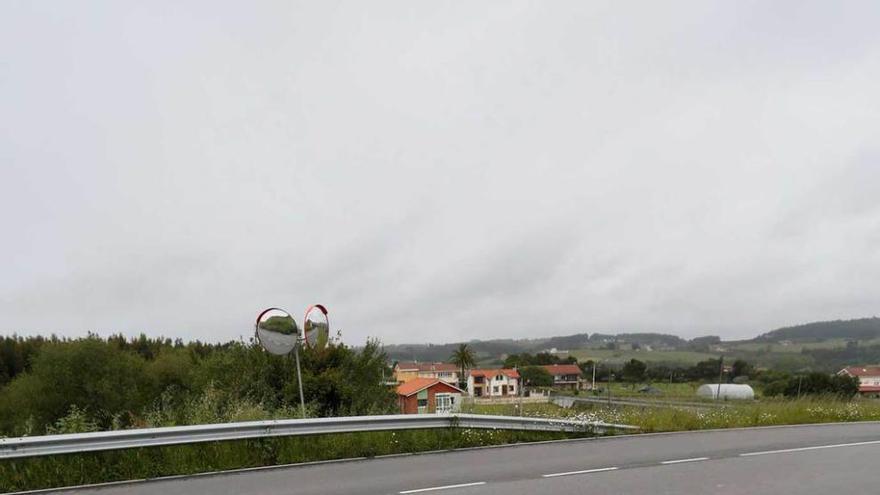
(493, 383)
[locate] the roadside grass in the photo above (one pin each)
(761, 413)
(153, 462)
(78, 469)
(766, 412)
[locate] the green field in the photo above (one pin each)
(619, 357)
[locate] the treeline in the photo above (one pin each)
(637, 371)
(841, 357)
(771, 382)
(858, 329)
(640, 338)
(539, 359)
(17, 352)
(94, 383)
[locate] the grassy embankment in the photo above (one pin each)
(766, 412)
(77, 469)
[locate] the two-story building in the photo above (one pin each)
(493, 383)
(428, 395)
(405, 371)
(565, 375)
(869, 378)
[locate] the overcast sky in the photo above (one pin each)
(438, 171)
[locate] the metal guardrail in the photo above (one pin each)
(151, 437)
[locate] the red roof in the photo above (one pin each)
(562, 369)
(409, 366)
(862, 370)
(510, 373)
(419, 384)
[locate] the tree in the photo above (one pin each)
(704, 344)
(843, 386)
(89, 374)
(634, 371)
(602, 370)
(741, 368)
(536, 376)
(464, 358)
(705, 370)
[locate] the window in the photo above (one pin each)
(499, 377)
(423, 402)
(495, 389)
(478, 379)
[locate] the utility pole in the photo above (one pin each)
(720, 376)
(593, 388)
(610, 381)
(800, 380)
(522, 383)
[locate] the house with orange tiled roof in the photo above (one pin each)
(493, 383)
(405, 371)
(869, 378)
(428, 395)
(565, 375)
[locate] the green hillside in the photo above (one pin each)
(860, 329)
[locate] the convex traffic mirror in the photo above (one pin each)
(277, 331)
(316, 326)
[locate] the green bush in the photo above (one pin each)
(118, 384)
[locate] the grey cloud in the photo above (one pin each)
(435, 172)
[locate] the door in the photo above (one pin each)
(504, 390)
(443, 403)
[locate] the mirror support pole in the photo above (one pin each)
(302, 401)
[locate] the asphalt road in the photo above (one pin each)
(803, 460)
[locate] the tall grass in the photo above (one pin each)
(767, 412)
(77, 469)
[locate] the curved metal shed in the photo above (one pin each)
(727, 391)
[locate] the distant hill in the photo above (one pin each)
(824, 345)
(493, 350)
(860, 329)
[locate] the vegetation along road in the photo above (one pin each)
(732, 461)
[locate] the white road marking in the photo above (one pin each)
(447, 487)
(817, 447)
(586, 471)
(679, 461)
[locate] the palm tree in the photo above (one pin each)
(464, 358)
